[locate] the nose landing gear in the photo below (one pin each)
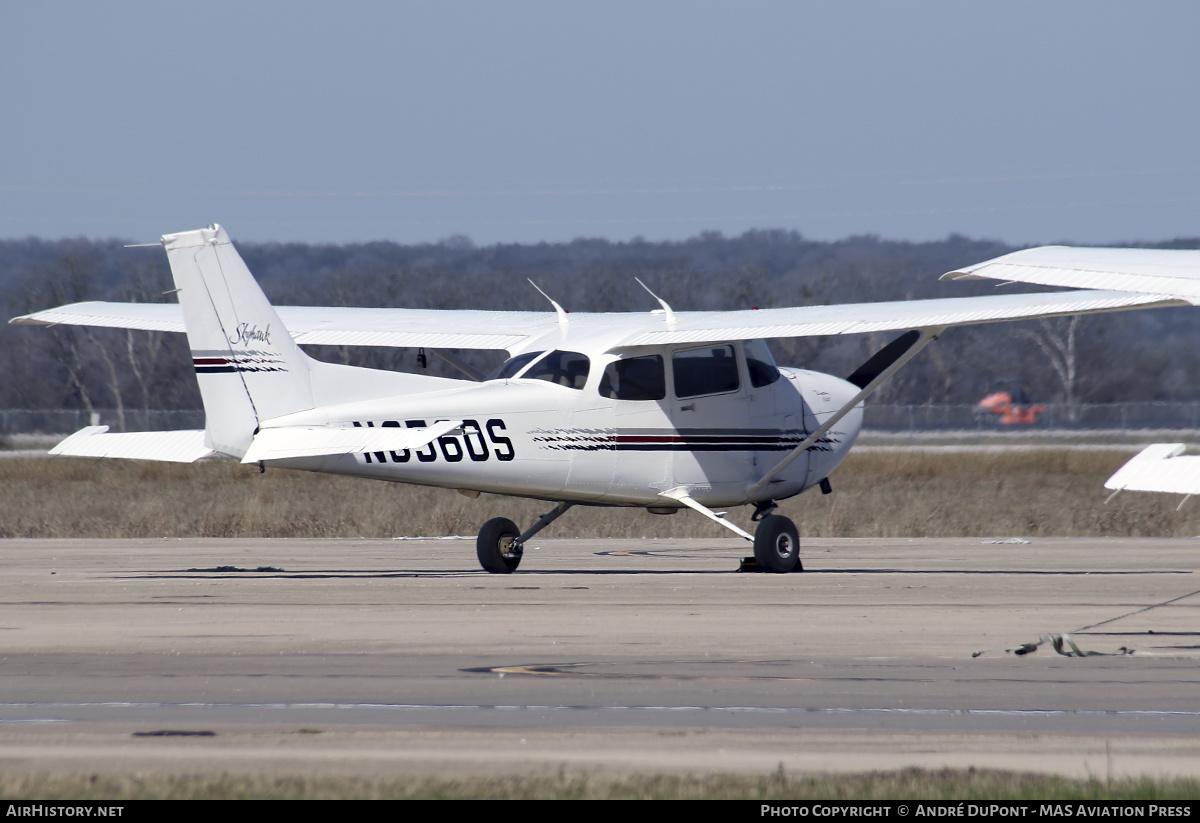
(500, 545)
(497, 547)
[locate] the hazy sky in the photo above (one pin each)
(522, 121)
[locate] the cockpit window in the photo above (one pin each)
(760, 363)
(564, 368)
(710, 370)
(635, 378)
(509, 368)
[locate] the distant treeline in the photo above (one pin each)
(1143, 355)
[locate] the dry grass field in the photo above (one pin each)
(877, 493)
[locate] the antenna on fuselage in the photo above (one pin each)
(667, 309)
(562, 313)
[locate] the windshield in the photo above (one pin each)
(564, 368)
(760, 363)
(509, 368)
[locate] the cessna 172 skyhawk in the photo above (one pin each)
(661, 409)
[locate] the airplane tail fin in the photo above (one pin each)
(247, 364)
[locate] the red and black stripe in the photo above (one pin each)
(228, 364)
(689, 440)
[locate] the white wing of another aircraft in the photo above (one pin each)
(1162, 467)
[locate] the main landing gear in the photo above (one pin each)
(500, 544)
(776, 541)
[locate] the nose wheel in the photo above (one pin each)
(497, 546)
(777, 545)
(500, 543)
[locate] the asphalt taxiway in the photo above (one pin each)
(390, 657)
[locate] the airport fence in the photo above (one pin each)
(890, 419)
(65, 421)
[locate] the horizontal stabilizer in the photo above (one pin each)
(1162, 467)
(173, 447)
(319, 441)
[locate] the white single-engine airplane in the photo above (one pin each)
(660, 410)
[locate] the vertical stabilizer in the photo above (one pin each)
(248, 367)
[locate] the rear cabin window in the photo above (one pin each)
(563, 368)
(710, 370)
(635, 378)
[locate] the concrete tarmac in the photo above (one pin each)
(386, 658)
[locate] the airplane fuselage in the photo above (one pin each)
(573, 443)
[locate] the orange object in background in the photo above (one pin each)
(1012, 413)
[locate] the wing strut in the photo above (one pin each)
(873, 373)
(883, 358)
(681, 494)
(460, 364)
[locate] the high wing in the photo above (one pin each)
(461, 329)
(514, 331)
(1174, 272)
(860, 318)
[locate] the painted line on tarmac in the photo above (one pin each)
(933, 712)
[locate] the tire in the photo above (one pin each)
(492, 546)
(777, 545)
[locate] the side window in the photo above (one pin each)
(710, 370)
(635, 378)
(565, 368)
(760, 364)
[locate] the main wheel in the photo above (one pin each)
(777, 545)
(494, 546)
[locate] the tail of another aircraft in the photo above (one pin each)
(248, 366)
